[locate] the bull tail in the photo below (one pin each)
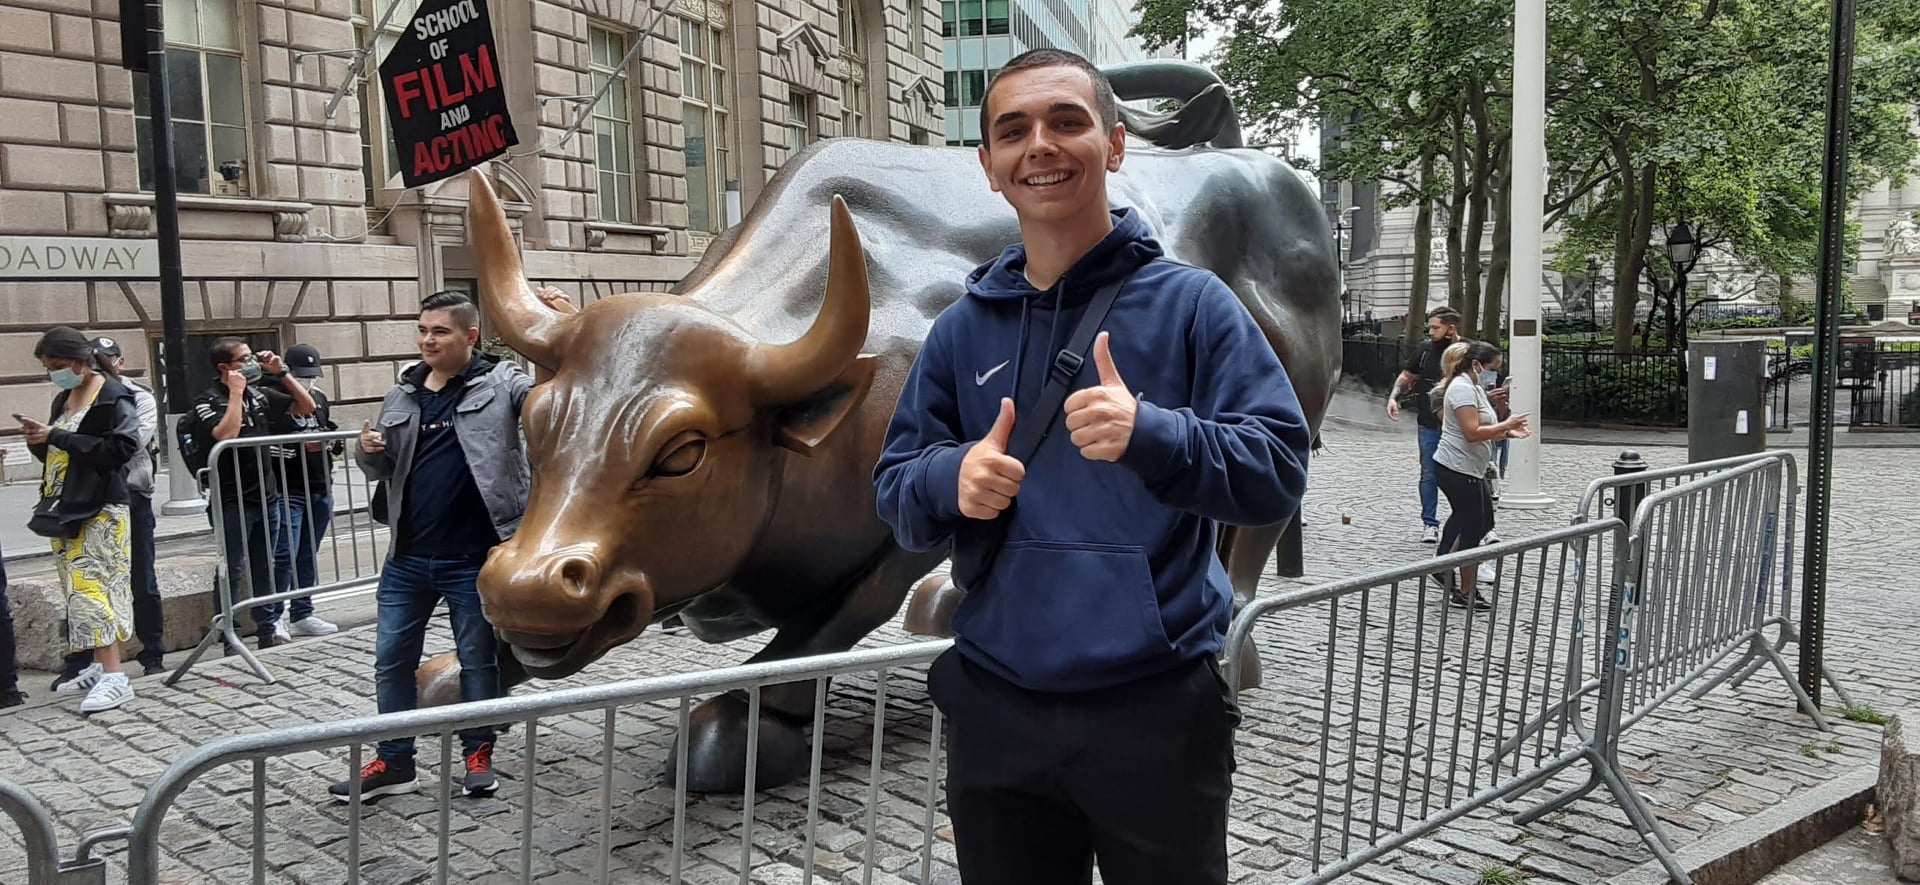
(1205, 116)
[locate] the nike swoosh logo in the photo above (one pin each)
(980, 378)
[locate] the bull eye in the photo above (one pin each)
(682, 460)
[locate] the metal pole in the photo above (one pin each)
(1529, 205)
(183, 492)
(1826, 350)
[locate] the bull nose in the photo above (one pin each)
(543, 594)
(578, 575)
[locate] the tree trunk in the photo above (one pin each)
(1490, 305)
(1476, 215)
(1422, 252)
(1457, 211)
(1642, 235)
(1626, 280)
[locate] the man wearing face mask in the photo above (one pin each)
(231, 409)
(305, 474)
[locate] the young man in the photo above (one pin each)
(305, 474)
(234, 408)
(1421, 373)
(149, 623)
(448, 445)
(1088, 717)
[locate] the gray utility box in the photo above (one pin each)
(1726, 399)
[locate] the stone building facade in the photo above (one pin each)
(295, 225)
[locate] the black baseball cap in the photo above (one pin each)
(107, 346)
(303, 360)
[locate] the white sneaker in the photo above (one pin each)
(110, 691)
(314, 625)
(1431, 535)
(81, 683)
(280, 632)
(1490, 538)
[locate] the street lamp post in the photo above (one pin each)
(1680, 250)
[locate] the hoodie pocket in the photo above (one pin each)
(1057, 612)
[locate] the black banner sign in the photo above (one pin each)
(446, 107)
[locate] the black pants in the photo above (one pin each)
(1039, 784)
(1471, 499)
(9, 654)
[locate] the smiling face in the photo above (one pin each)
(446, 344)
(1045, 148)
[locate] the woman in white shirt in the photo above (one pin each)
(1468, 427)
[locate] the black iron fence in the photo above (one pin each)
(1879, 384)
(1372, 361)
(1603, 387)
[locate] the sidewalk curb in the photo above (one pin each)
(1749, 850)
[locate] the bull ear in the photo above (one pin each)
(804, 425)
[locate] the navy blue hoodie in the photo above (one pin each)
(1108, 573)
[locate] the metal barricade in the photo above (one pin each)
(348, 555)
(1700, 587)
(1779, 517)
(558, 709)
(1413, 711)
(44, 866)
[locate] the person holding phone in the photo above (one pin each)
(1468, 429)
(84, 449)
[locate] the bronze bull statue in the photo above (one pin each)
(708, 453)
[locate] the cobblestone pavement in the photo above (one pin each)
(1701, 763)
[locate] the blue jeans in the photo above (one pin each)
(410, 588)
(298, 527)
(1500, 451)
(1429, 486)
(249, 558)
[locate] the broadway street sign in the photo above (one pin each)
(40, 258)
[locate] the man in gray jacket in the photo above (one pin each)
(447, 444)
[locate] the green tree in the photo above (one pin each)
(1707, 110)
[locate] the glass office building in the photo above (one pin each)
(982, 34)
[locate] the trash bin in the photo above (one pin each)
(1726, 399)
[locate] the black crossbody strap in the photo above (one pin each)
(1030, 425)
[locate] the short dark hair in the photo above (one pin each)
(223, 349)
(457, 304)
(1445, 314)
(1104, 104)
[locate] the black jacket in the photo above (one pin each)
(98, 451)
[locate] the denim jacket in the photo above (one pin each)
(487, 419)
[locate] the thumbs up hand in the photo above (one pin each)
(989, 477)
(1101, 417)
(371, 442)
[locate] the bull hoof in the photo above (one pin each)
(717, 749)
(1248, 666)
(930, 609)
(439, 680)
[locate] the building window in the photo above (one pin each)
(853, 51)
(379, 162)
(207, 92)
(998, 17)
(706, 95)
(799, 121)
(612, 124)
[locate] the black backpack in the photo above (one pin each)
(190, 450)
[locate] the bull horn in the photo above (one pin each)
(785, 373)
(511, 309)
